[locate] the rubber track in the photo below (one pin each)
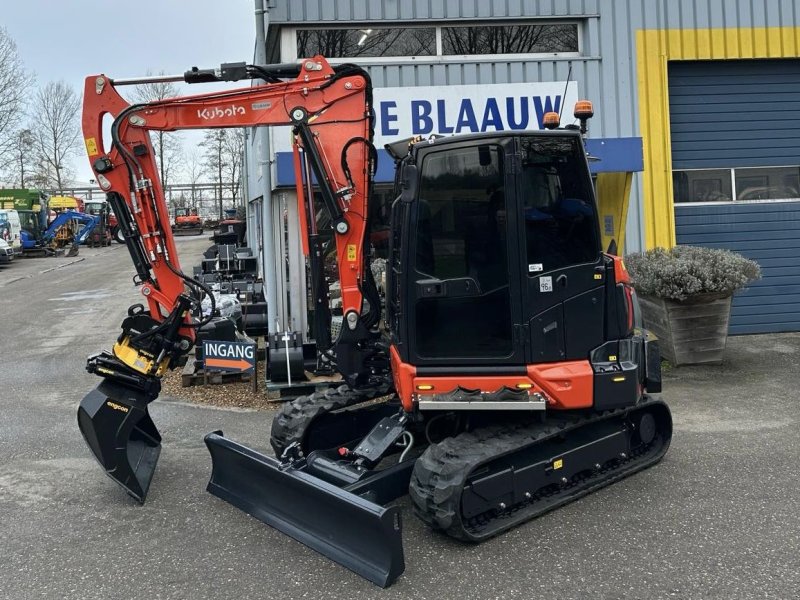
(441, 472)
(295, 417)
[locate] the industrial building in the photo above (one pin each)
(697, 115)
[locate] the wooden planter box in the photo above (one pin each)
(691, 332)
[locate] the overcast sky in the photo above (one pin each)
(70, 39)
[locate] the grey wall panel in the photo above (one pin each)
(789, 11)
(311, 11)
(643, 13)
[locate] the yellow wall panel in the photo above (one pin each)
(788, 42)
(613, 197)
(654, 48)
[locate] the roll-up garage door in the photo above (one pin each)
(735, 132)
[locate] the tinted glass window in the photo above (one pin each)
(343, 43)
(746, 184)
(461, 240)
(461, 218)
(702, 185)
(380, 206)
(558, 205)
(510, 39)
(770, 183)
(29, 221)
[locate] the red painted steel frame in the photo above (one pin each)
(338, 112)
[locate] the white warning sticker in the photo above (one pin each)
(535, 268)
(545, 284)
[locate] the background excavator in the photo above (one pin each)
(68, 228)
(507, 376)
(186, 221)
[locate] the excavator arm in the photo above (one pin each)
(330, 114)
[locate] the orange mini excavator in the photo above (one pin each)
(507, 376)
(186, 221)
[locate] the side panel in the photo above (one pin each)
(562, 270)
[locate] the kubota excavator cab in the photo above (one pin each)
(497, 258)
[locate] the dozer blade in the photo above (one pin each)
(118, 429)
(188, 231)
(358, 534)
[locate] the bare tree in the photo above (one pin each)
(14, 86)
(56, 132)
(224, 157)
(394, 41)
(234, 151)
(168, 146)
(510, 39)
(24, 151)
(195, 171)
(215, 159)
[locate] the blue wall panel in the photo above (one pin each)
(734, 113)
(614, 154)
(768, 233)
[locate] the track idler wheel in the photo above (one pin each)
(646, 428)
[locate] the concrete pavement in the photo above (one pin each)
(717, 518)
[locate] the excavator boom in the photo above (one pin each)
(329, 110)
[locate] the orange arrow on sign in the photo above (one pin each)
(227, 363)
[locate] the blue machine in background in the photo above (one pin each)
(44, 240)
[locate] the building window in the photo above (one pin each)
(410, 42)
(772, 183)
(346, 43)
(510, 39)
(744, 184)
(702, 185)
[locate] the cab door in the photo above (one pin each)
(563, 266)
(463, 292)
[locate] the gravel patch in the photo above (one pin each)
(239, 395)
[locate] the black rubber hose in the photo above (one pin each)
(130, 160)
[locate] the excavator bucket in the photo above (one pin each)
(118, 429)
(358, 534)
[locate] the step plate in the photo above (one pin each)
(482, 405)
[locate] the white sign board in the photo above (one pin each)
(459, 109)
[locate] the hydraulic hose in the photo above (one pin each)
(130, 163)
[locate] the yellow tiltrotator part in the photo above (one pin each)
(143, 362)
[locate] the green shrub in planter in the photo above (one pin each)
(685, 295)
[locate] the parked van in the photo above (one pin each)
(11, 229)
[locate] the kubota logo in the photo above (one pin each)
(218, 113)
